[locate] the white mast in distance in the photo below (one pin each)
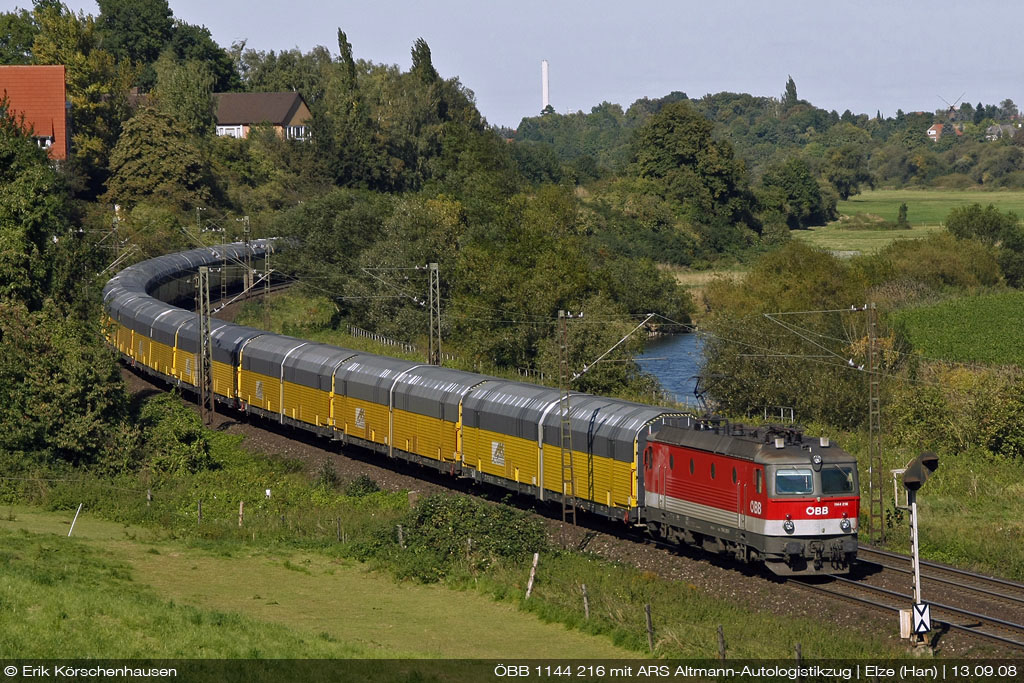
(544, 84)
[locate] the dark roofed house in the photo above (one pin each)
(287, 112)
(36, 94)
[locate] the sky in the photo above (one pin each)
(865, 56)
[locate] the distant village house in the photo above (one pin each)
(998, 131)
(238, 112)
(36, 96)
(937, 130)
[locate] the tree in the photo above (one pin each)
(790, 188)
(988, 225)
(677, 150)
(901, 218)
(422, 67)
(341, 127)
(153, 159)
(136, 30)
(847, 170)
(17, 32)
(195, 44)
(752, 362)
(288, 70)
(1007, 110)
(97, 87)
(789, 98)
(60, 388)
(184, 90)
(33, 209)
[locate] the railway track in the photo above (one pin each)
(983, 606)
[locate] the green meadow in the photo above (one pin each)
(927, 208)
(972, 329)
(866, 219)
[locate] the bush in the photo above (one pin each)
(361, 486)
(444, 532)
(174, 438)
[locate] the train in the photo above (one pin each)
(765, 494)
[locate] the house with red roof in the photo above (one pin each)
(36, 95)
(238, 112)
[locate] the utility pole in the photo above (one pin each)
(223, 274)
(564, 378)
(876, 509)
(435, 315)
(204, 387)
(266, 289)
(247, 277)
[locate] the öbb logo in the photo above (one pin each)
(813, 510)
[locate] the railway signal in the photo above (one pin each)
(915, 475)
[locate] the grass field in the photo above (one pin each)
(928, 207)
(975, 329)
(926, 211)
(164, 599)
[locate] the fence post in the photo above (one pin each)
(401, 537)
(586, 602)
(241, 512)
(533, 574)
(337, 521)
(149, 497)
(77, 512)
(721, 643)
(650, 627)
(199, 511)
(799, 659)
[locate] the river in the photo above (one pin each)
(675, 360)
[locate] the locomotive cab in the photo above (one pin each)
(815, 506)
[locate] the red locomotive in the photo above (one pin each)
(762, 494)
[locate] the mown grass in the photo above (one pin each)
(928, 207)
(846, 242)
(65, 598)
(926, 213)
(984, 328)
(340, 606)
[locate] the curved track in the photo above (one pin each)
(982, 606)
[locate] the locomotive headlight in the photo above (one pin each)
(844, 523)
(788, 525)
(816, 461)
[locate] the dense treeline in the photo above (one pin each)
(400, 170)
(799, 160)
(569, 212)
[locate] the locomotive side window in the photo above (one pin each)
(712, 470)
(758, 485)
(671, 462)
(691, 465)
(734, 475)
(794, 480)
(837, 479)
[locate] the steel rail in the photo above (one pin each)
(951, 582)
(945, 567)
(950, 624)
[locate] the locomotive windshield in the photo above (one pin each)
(837, 479)
(794, 480)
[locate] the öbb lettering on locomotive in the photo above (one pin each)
(762, 494)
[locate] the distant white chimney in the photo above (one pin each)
(544, 84)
